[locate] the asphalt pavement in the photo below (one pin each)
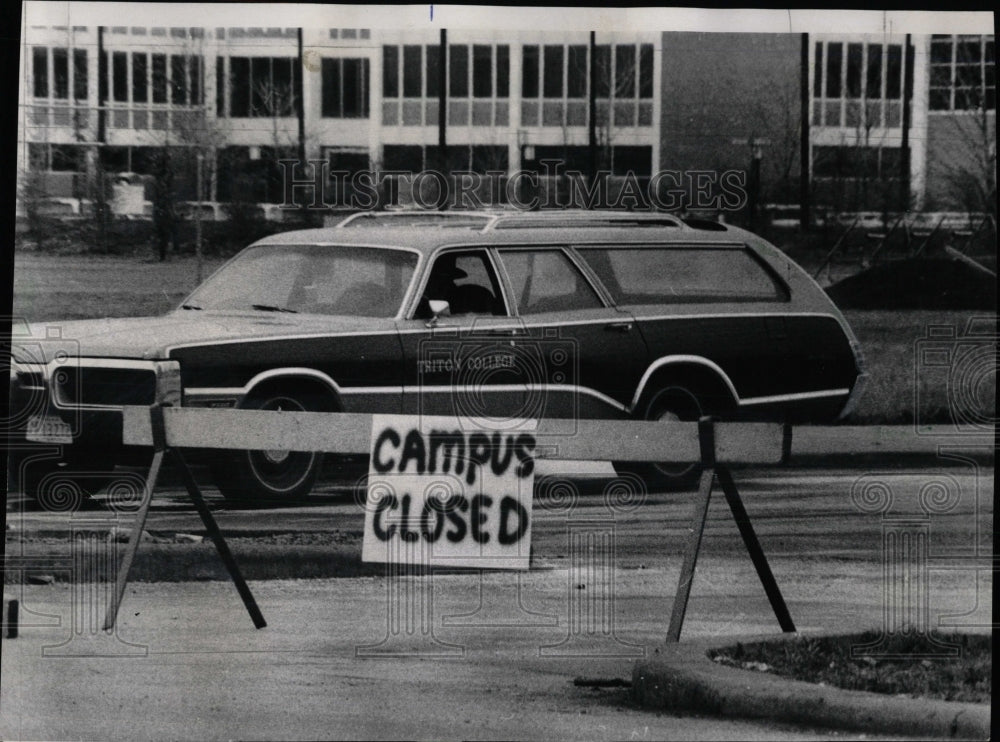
(464, 656)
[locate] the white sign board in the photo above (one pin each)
(445, 494)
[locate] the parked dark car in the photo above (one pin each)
(510, 317)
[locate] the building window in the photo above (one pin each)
(477, 81)
(625, 71)
(963, 73)
(345, 88)
(858, 85)
(390, 71)
(119, 76)
(60, 73)
(646, 71)
(80, 74)
(140, 77)
(411, 72)
(65, 158)
(482, 71)
(40, 71)
(623, 84)
(159, 78)
(529, 72)
(64, 75)
(432, 80)
(458, 71)
(262, 86)
(140, 82)
(552, 77)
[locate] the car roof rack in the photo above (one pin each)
(490, 221)
(580, 218)
(418, 217)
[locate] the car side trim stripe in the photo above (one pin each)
(237, 391)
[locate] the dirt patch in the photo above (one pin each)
(922, 283)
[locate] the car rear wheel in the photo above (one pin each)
(272, 475)
(681, 400)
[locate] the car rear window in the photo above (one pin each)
(670, 275)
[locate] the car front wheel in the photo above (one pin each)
(270, 475)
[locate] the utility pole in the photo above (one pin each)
(755, 158)
(443, 110)
(200, 156)
(756, 145)
(904, 147)
(592, 112)
(102, 96)
(805, 152)
(299, 105)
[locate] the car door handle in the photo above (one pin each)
(619, 327)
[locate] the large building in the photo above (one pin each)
(889, 118)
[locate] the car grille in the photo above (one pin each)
(104, 386)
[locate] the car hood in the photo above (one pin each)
(153, 337)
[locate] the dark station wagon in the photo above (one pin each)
(490, 318)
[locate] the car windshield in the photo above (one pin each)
(310, 279)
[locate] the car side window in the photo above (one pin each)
(547, 281)
(467, 281)
(672, 275)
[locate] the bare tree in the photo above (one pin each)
(969, 166)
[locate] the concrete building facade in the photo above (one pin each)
(100, 101)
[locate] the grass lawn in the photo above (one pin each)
(901, 388)
(60, 287)
(909, 664)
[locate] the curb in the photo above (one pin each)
(683, 678)
(156, 562)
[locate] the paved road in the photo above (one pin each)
(483, 657)
(802, 513)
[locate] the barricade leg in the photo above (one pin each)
(409, 604)
(756, 552)
(695, 531)
(133, 542)
(591, 595)
(220, 543)
(160, 449)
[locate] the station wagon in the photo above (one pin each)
(494, 319)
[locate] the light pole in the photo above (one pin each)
(199, 157)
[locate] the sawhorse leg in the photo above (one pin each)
(160, 450)
(755, 550)
(220, 543)
(711, 471)
(691, 556)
